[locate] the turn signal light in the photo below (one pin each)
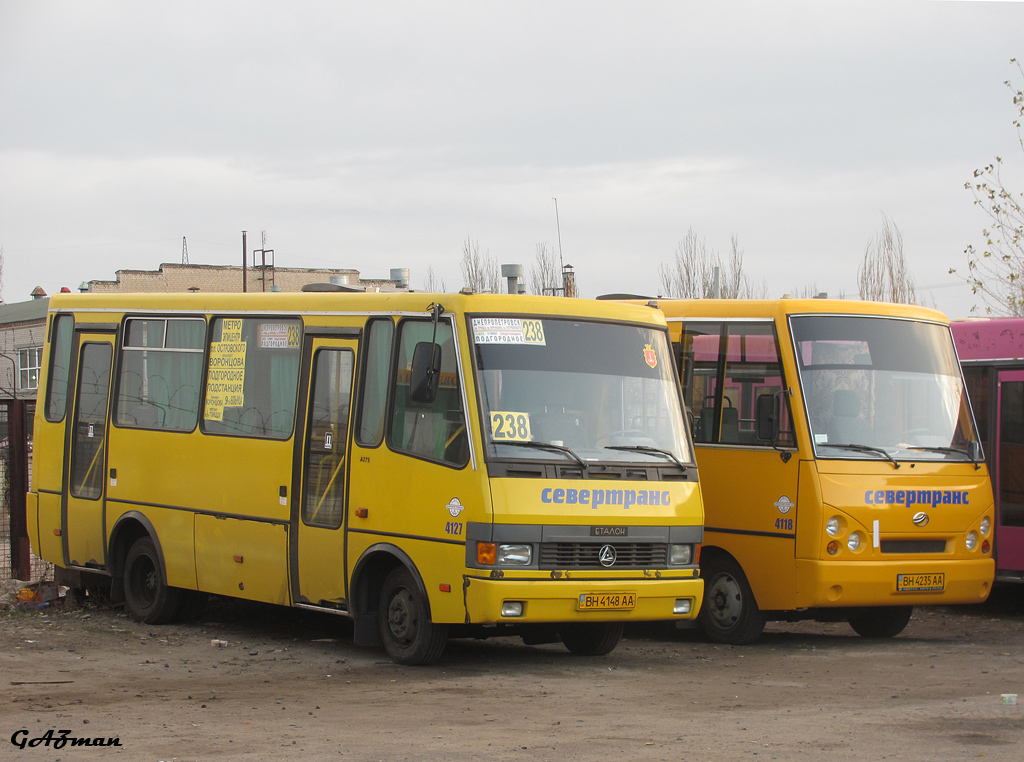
(832, 548)
(486, 552)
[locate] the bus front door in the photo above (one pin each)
(318, 540)
(83, 510)
(1009, 473)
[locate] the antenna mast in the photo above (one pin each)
(558, 229)
(184, 251)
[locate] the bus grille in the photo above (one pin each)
(913, 546)
(584, 555)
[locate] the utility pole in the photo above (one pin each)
(245, 263)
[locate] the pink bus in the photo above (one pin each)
(991, 353)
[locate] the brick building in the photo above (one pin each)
(22, 329)
(173, 278)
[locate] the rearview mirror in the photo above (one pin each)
(425, 372)
(766, 417)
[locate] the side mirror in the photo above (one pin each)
(766, 417)
(426, 371)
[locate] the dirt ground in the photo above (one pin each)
(290, 684)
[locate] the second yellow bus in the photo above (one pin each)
(842, 473)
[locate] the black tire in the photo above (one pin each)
(880, 621)
(592, 639)
(729, 614)
(409, 635)
(146, 594)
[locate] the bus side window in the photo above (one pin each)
(434, 430)
(60, 363)
(752, 370)
(377, 366)
(252, 379)
(161, 373)
(977, 380)
(745, 358)
(699, 365)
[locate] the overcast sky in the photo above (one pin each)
(373, 135)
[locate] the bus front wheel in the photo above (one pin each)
(146, 593)
(729, 613)
(409, 635)
(592, 638)
(880, 621)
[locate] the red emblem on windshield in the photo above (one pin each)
(649, 356)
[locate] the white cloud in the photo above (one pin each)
(376, 135)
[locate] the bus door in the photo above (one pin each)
(317, 544)
(1009, 471)
(84, 489)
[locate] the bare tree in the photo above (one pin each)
(691, 275)
(431, 284)
(480, 271)
(883, 275)
(544, 273)
(996, 273)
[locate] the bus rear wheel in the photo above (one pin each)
(409, 635)
(146, 593)
(880, 621)
(729, 613)
(592, 638)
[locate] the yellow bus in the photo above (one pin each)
(430, 465)
(842, 473)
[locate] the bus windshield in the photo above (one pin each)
(883, 388)
(563, 389)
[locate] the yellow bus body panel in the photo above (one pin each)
(547, 501)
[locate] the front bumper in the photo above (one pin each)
(557, 600)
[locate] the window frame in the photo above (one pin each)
(25, 368)
(396, 345)
(255, 318)
(123, 348)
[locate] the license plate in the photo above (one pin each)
(594, 601)
(909, 583)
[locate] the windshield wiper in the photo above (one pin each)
(648, 449)
(957, 450)
(865, 448)
(548, 446)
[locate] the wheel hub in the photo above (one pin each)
(401, 619)
(726, 600)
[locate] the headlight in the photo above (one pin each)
(832, 526)
(854, 541)
(515, 555)
(680, 555)
(985, 526)
(512, 608)
(972, 540)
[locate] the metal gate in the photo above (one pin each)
(16, 558)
